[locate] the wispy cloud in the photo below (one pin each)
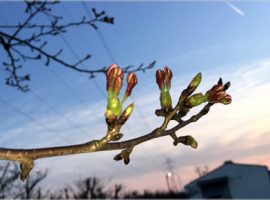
(235, 8)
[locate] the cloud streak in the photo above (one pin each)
(235, 8)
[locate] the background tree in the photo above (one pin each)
(20, 48)
(201, 171)
(12, 187)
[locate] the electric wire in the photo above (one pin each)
(72, 92)
(32, 119)
(73, 52)
(76, 56)
(109, 52)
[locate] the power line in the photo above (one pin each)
(66, 85)
(105, 45)
(68, 88)
(114, 61)
(19, 111)
(100, 35)
(25, 114)
(55, 110)
(76, 56)
(83, 66)
(72, 92)
(52, 108)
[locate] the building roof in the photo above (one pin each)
(226, 163)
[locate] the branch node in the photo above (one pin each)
(124, 155)
(117, 137)
(174, 137)
(26, 167)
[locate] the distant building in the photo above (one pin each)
(232, 180)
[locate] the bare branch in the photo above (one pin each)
(16, 45)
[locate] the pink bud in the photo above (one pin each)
(226, 100)
(111, 68)
(114, 78)
(160, 76)
(168, 76)
(118, 83)
(217, 94)
(131, 82)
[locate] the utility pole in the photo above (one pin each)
(172, 178)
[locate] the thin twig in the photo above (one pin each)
(16, 46)
(27, 156)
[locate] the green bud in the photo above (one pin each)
(196, 100)
(194, 83)
(113, 110)
(125, 114)
(165, 100)
(188, 140)
(114, 105)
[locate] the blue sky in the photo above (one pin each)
(210, 37)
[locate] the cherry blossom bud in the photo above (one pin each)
(227, 100)
(217, 94)
(160, 76)
(131, 82)
(109, 72)
(113, 72)
(194, 83)
(188, 140)
(113, 111)
(110, 118)
(165, 101)
(220, 82)
(227, 85)
(125, 114)
(196, 100)
(118, 83)
(168, 77)
(163, 79)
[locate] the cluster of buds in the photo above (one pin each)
(217, 94)
(163, 79)
(114, 115)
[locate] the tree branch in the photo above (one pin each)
(27, 156)
(14, 44)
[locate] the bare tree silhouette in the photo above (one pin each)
(12, 187)
(117, 189)
(87, 188)
(20, 48)
(201, 171)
